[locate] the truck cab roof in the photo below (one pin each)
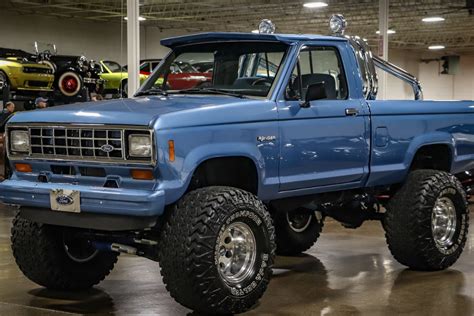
(234, 36)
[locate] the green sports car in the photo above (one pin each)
(26, 77)
(116, 78)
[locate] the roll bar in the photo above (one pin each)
(400, 74)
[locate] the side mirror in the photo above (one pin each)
(315, 91)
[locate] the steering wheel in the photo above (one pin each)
(262, 82)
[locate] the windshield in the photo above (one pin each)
(112, 66)
(240, 68)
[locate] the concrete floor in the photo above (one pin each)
(348, 272)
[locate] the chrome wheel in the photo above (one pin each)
(443, 223)
(237, 253)
(299, 221)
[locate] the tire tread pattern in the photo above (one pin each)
(407, 221)
(39, 253)
(187, 251)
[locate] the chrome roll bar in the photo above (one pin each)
(400, 74)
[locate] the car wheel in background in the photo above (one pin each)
(4, 88)
(70, 84)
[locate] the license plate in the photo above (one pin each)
(65, 200)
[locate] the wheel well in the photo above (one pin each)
(238, 172)
(437, 157)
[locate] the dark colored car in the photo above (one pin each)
(75, 77)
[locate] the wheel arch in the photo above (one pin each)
(236, 155)
(431, 151)
(235, 171)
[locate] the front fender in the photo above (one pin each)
(183, 169)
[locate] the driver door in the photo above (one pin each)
(326, 143)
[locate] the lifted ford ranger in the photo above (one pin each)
(213, 181)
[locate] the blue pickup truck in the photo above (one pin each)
(213, 181)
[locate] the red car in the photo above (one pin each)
(182, 75)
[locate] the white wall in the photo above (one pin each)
(396, 88)
(96, 40)
(437, 86)
(100, 40)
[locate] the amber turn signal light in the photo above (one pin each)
(140, 174)
(171, 150)
(23, 167)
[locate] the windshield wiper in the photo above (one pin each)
(213, 91)
(153, 91)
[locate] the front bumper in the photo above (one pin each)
(32, 82)
(97, 200)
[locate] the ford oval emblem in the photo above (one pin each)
(107, 148)
(64, 200)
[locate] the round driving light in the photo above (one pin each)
(337, 24)
(266, 27)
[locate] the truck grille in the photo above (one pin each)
(77, 143)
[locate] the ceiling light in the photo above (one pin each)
(433, 19)
(388, 32)
(313, 5)
(436, 47)
(140, 18)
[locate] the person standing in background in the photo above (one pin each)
(6, 113)
(41, 103)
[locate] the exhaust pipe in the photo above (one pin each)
(114, 247)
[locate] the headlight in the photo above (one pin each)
(20, 141)
(139, 145)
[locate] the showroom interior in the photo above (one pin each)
(151, 184)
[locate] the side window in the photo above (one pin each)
(318, 65)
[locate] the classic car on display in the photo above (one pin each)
(75, 75)
(69, 77)
(148, 65)
(22, 76)
(115, 77)
(183, 74)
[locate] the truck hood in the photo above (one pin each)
(137, 111)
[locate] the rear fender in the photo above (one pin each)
(434, 138)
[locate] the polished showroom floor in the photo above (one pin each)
(348, 272)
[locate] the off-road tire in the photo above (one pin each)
(408, 221)
(189, 250)
(40, 254)
(291, 242)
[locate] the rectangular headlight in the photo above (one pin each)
(20, 141)
(139, 145)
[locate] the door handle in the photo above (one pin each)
(351, 112)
